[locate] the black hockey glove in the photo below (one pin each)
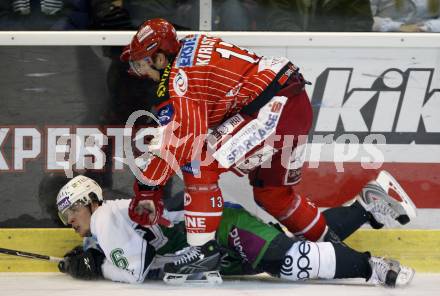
(62, 266)
(83, 265)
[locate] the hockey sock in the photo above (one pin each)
(273, 257)
(351, 263)
(202, 204)
(346, 220)
(203, 207)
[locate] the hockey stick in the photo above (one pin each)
(30, 255)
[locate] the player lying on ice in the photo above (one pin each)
(120, 250)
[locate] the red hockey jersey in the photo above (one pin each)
(209, 81)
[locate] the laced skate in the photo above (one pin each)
(375, 198)
(195, 264)
(389, 273)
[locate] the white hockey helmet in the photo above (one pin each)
(80, 191)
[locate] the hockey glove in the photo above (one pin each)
(146, 208)
(85, 265)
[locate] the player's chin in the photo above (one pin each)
(153, 76)
(83, 232)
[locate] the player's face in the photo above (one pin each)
(78, 216)
(145, 67)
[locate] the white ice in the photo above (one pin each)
(51, 284)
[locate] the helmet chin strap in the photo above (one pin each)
(89, 206)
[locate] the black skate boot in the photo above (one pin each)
(195, 263)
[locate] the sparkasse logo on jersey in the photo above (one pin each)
(400, 104)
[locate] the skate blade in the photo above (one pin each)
(209, 277)
(386, 181)
(174, 279)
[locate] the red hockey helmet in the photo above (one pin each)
(153, 35)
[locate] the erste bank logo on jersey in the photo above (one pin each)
(185, 57)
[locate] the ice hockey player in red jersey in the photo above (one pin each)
(222, 108)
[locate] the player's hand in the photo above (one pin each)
(63, 265)
(146, 208)
(84, 265)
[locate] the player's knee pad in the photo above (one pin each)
(309, 260)
(295, 212)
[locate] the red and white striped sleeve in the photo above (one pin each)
(184, 134)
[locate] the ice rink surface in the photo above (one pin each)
(50, 284)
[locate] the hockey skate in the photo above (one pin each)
(195, 264)
(389, 273)
(376, 199)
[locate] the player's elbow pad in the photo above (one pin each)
(116, 274)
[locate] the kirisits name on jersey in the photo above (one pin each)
(204, 52)
(194, 48)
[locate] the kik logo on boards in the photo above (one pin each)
(401, 105)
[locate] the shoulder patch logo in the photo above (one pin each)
(165, 114)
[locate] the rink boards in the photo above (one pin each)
(366, 89)
(417, 248)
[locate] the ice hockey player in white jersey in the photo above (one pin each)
(124, 251)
